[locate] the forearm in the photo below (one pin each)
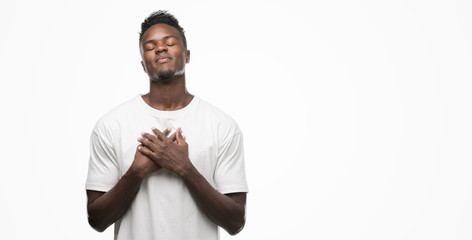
(219, 208)
(109, 207)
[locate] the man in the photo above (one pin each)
(156, 185)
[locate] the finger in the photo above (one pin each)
(147, 143)
(146, 152)
(166, 132)
(160, 136)
(173, 137)
(150, 137)
(180, 138)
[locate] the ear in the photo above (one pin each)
(142, 64)
(187, 56)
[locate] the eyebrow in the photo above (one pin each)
(165, 38)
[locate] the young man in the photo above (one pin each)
(156, 185)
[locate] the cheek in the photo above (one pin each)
(148, 68)
(183, 58)
(148, 61)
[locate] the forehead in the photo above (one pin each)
(160, 31)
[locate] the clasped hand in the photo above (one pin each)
(167, 152)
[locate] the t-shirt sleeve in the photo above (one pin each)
(103, 170)
(230, 175)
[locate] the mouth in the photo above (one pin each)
(163, 59)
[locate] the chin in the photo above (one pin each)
(163, 77)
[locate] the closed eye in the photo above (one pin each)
(149, 49)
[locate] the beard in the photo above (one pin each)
(163, 76)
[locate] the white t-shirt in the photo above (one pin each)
(163, 207)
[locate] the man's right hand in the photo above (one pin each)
(142, 165)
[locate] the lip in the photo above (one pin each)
(163, 59)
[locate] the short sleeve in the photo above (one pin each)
(230, 174)
(103, 171)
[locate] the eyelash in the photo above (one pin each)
(169, 45)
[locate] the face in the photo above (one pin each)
(163, 53)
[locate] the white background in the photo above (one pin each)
(356, 114)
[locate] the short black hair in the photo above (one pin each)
(164, 17)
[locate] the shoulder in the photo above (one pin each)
(224, 123)
(110, 122)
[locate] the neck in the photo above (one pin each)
(168, 96)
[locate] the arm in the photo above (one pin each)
(105, 209)
(227, 211)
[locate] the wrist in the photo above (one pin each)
(187, 170)
(136, 173)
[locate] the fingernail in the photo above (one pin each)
(142, 134)
(153, 128)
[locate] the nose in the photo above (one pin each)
(161, 47)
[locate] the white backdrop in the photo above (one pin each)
(356, 114)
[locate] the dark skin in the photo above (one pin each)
(163, 58)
